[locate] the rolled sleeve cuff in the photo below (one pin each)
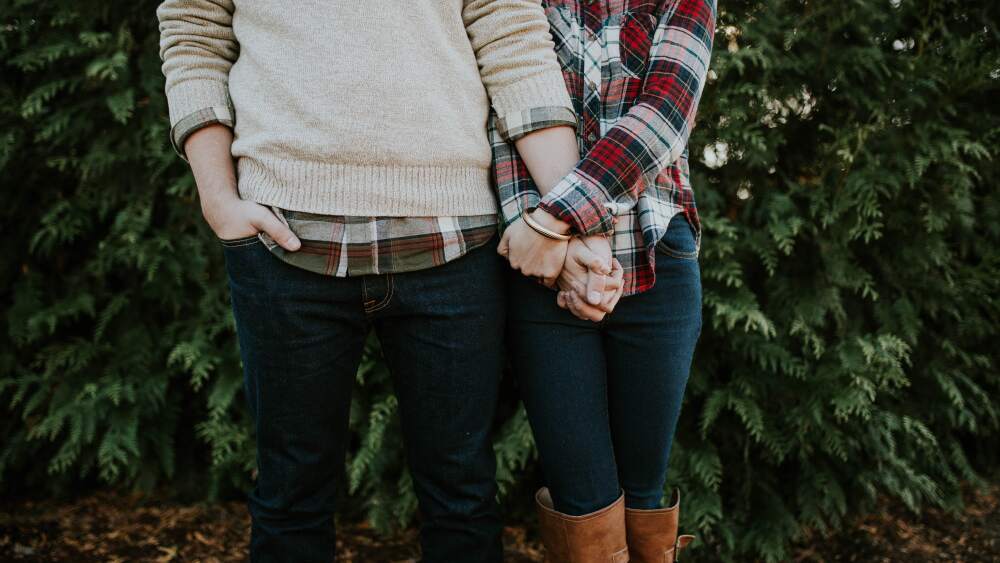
(195, 104)
(516, 125)
(537, 99)
(198, 120)
(512, 208)
(581, 203)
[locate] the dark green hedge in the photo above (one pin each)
(845, 163)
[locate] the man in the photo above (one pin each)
(357, 132)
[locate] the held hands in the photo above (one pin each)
(533, 254)
(588, 278)
(591, 282)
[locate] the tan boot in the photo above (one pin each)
(652, 534)
(598, 537)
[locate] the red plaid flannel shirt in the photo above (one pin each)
(635, 70)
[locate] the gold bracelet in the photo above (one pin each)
(547, 233)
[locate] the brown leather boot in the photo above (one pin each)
(598, 537)
(652, 534)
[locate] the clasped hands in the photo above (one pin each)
(589, 280)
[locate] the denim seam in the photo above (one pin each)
(236, 243)
(675, 254)
(385, 301)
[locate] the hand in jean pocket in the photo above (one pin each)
(233, 218)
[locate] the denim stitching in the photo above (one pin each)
(364, 293)
(236, 243)
(388, 295)
(675, 254)
(662, 246)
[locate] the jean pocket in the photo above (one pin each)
(680, 240)
(239, 242)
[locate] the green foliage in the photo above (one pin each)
(845, 164)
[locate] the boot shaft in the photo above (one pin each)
(652, 534)
(598, 537)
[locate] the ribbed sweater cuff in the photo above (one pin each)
(543, 91)
(195, 104)
(190, 96)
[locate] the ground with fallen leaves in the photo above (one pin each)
(113, 527)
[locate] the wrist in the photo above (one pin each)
(529, 220)
(216, 198)
(547, 220)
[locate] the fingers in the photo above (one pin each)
(612, 301)
(581, 291)
(601, 291)
(563, 300)
(577, 305)
(266, 221)
(598, 268)
(610, 298)
(582, 309)
(617, 280)
(595, 286)
(573, 292)
(612, 284)
(589, 259)
(503, 249)
(569, 298)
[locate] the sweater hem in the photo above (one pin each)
(367, 191)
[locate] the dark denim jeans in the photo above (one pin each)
(301, 336)
(603, 399)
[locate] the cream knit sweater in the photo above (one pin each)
(361, 107)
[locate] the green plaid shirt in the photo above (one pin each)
(342, 246)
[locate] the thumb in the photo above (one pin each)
(595, 285)
(597, 270)
(267, 222)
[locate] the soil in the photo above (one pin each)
(115, 527)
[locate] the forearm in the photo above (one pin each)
(549, 155)
(652, 134)
(518, 65)
(210, 155)
(209, 152)
(198, 48)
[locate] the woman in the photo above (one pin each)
(602, 379)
